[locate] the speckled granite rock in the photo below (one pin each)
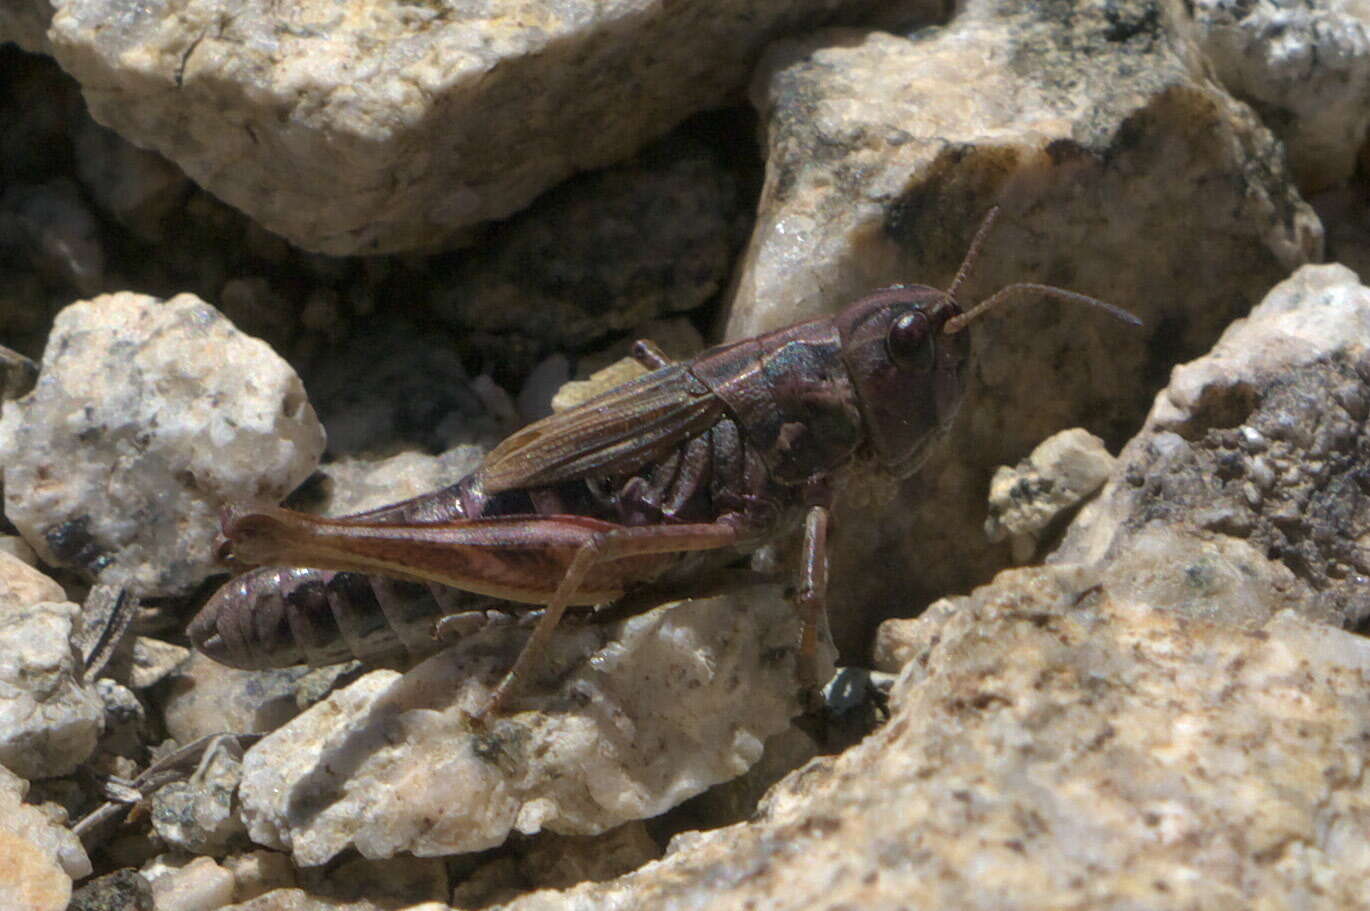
(148, 416)
(1027, 500)
(50, 718)
(1092, 124)
(1305, 68)
(429, 121)
(644, 714)
(199, 815)
(204, 697)
(1250, 470)
(1048, 748)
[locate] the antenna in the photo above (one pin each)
(957, 323)
(980, 234)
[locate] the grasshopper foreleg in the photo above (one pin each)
(812, 601)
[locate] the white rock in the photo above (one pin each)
(153, 660)
(355, 485)
(182, 884)
(28, 879)
(1051, 746)
(1305, 67)
(645, 713)
(366, 129)
(147, 418)
(49, 719)
(1245, 476)
(38, 830)
(205, 697)
(1059, 474)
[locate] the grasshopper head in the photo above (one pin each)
(906, 367)
(906, 351)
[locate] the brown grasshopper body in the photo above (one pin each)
(640, 489)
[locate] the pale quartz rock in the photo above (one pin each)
(1091, 125)
(205, 697)
(259, 872)
(153, 661)
(356, 485)
(1024, 501)
(366, 128)
(147, 418)
(1277, 412)
(188, 884)
(50, 719)
(1303, 66)
(38, 830)
(1050, 746)
(28, 878)
(644, 714)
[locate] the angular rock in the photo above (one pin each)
(1250, 472)
(29, 880)
(399, 384)
(643, 715)
(1051, 746)
(199, 814)
(355, 485)
(50, 719)
(604, 253)
(40, 830)
(259, 872)
(1025, 501)
(1305, 68)
(1091, 124)
(205, 697)
(148, 417)
(188, 884)
(154, 660)
(385, 129)
(122, 890)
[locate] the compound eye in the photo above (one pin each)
(910, 342)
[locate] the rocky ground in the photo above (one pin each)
(1104, 650)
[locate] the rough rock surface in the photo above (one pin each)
(40, 829)
(430, 119)
(1305, 68)
(1256, 454)
(644, 714)
(198, 815)
(1047, 748)
(1026, 500)
(607, 252)
(148, 416)
(1092, 124)
(50, 718)
(398, 382)
(355, 485)
(204, 697)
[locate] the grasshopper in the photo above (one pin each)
(639, 491)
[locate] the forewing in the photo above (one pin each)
(613, 433)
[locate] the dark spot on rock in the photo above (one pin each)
(72, 544)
